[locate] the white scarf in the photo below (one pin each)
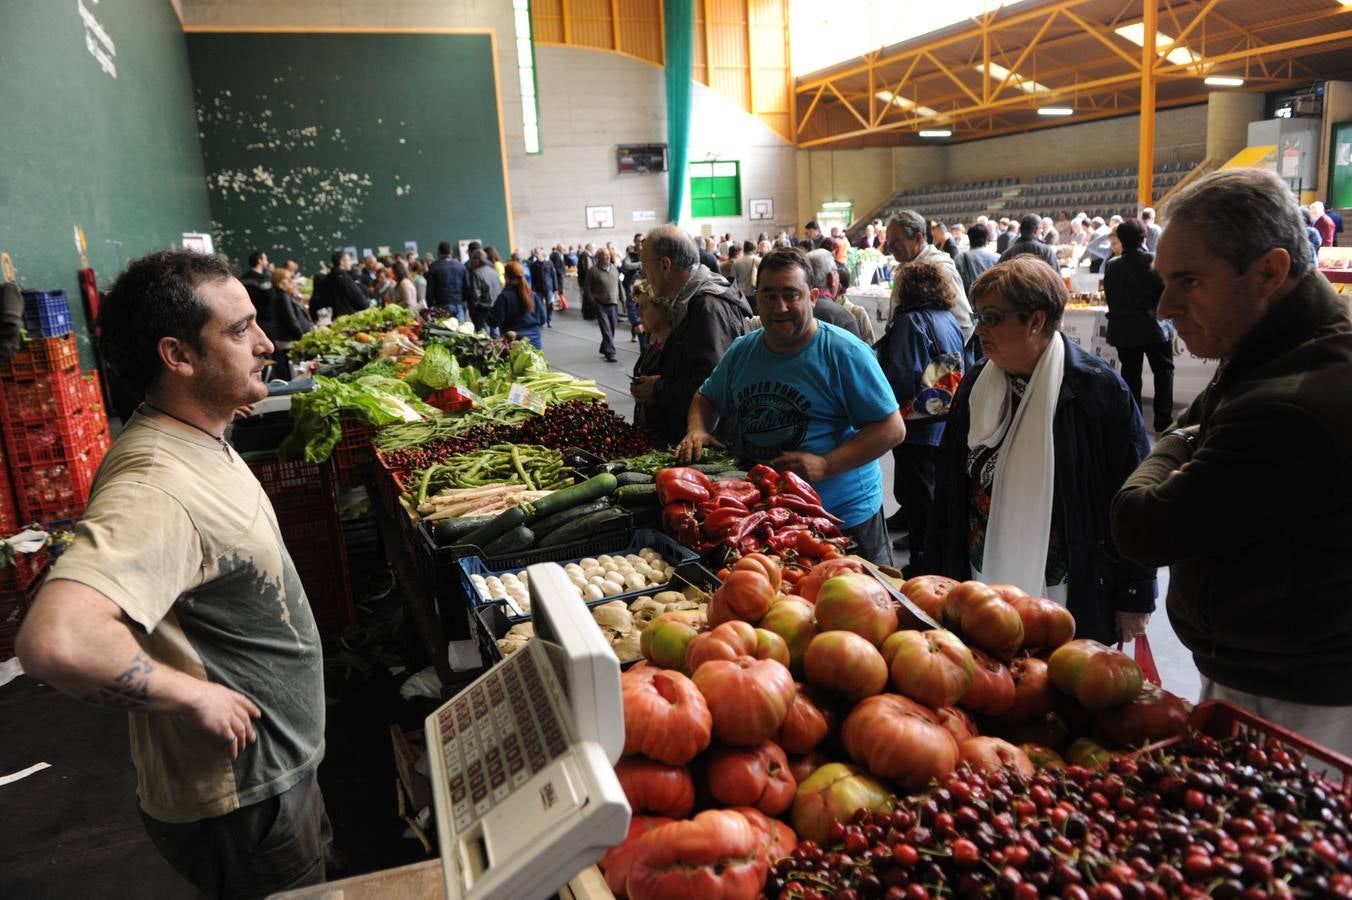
(1019, 526)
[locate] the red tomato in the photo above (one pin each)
(778, 839)
(988, 754)
(1048, 729)
(1042, 756)
(933, 667)
(656, 788)
(748, 698)
(900, 740)
(984, 619)
(843, 662)
(803, 766)
(811, 718)
(665, 716)
(791, 618)
(928, 592)
(858, 603)
(957, 722)
(752, 776)
(1033, 695)
(746, 594)
(618, 859)
(1046, 624)
(717, 855)
(759, 562)
(664, 640)
(831, 794)
(992, 691)
(1096, 676)
(812, 582)
(733, 639)
(1154, 715)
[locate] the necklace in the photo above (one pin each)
(164, 412)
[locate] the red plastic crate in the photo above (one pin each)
(354, 456)
(58, 354)
(46, 396)
(304, 497)
(56, 440)
(26, 569)
(14, 605)
(54, 490)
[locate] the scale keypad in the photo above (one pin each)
(498, 733)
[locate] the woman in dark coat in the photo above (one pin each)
(1038, 440)
(1132, 288)
(517, 308)
(653, 363)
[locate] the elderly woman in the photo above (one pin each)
(1132, 289)
(921, 355)
(1039, 438)
(652, 364)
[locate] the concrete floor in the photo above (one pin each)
(573, 345)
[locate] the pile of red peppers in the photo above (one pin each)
(771, 512)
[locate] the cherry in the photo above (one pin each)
(965, 854)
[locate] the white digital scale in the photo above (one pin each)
(522, 760)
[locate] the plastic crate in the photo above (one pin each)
(9, 506)
(57, 440)
(54, 490)
(46, 313)
(26, 569)
(14, 605)
(304, 498)
(57, 354)
(354, 456)
(675, 554)
(1225, 720)
(93, 388)
(46, 396)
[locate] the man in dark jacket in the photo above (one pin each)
(1249, 503)
(1132, 289)
(707, 315)
(484, 288)
(602, 288)
(584, 264)
(338, 291)
(257, 282)
(971, 263)
(1028, 242)
(826, 308)
(448, 283)
(543, 283)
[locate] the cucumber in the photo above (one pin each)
(593, 488)
(631, 496)
(584, 527)
(496, 527)
(544, 526)
(449, 531)
(627, 478)
(730, 475)
(710, 468)
(514, 541)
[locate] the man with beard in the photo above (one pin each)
(809, 398)
(1249, 502)
(179, 603)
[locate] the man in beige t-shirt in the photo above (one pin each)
(179, 602)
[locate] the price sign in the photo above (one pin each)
(524, 398)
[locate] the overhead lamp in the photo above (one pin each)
(901, 102)
(1179, 56)
(1229, 80)
(1000, 73)
(936, 133)
(1055, 111)
(838, 204)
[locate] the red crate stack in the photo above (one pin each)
(56, 431)
(9, 506)
(354, 456)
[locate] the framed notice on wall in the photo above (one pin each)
(600, 217)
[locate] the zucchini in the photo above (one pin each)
(544, 526)
(586, 526)
(450, 531)
(710, 468)
(593, 488)
(631, 496)
(514, 541)
(627, 478)
(730, 475)
(496, 527)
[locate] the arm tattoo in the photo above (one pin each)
(130, 690)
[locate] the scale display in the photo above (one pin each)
(523, 759)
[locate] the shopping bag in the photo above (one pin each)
(1145, 658)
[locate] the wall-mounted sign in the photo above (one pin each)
(198, 243)
(636, 159)
(645, 215)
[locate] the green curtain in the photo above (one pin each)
(680, 61)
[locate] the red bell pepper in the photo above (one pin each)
(779, 517)
(721, 521)
(678, 520)
(744, 491)
(674, 485)
(791, 483)
(804, 508)
(722, 502)
(764, 478)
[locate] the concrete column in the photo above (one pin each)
(1228, 114)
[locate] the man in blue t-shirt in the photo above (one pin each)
(809, 398)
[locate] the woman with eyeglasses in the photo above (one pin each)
(1039, 438)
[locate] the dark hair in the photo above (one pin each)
(813, 225)
(978, 235)
(1029, 223)
(788, 257)
(256, 257)
(337, 258)
(1260, 213)
(1305, 217)
(748, 247)
(478, 258)
(516, 275)
(1027, 283)
(844, 272)
(734, 251)
(473, 245)
(923, 285)
(492, 253)
(1131, 233)
(156, 297)
(400, 270)
(444, 248)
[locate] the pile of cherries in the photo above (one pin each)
(1232, 819)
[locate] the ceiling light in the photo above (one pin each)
(901, 102)
(1179, 56)
(936, 133)
(1228, 81)
(838, 204)
(1055, 111)
(1000, 73)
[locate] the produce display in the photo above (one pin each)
(595, 578)
(537, 468)
(354, 335)
(622, 623)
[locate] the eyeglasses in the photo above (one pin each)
(989, 318)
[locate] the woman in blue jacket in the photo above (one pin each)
(922, 356)
(517, 307)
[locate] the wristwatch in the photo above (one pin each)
(1189, 436)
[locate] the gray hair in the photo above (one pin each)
(1259, 210)
(821, 263)
(669, 242)
(911, 223)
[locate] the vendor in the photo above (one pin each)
(809, 398)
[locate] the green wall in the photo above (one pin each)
(117, 155)
(314, 142)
